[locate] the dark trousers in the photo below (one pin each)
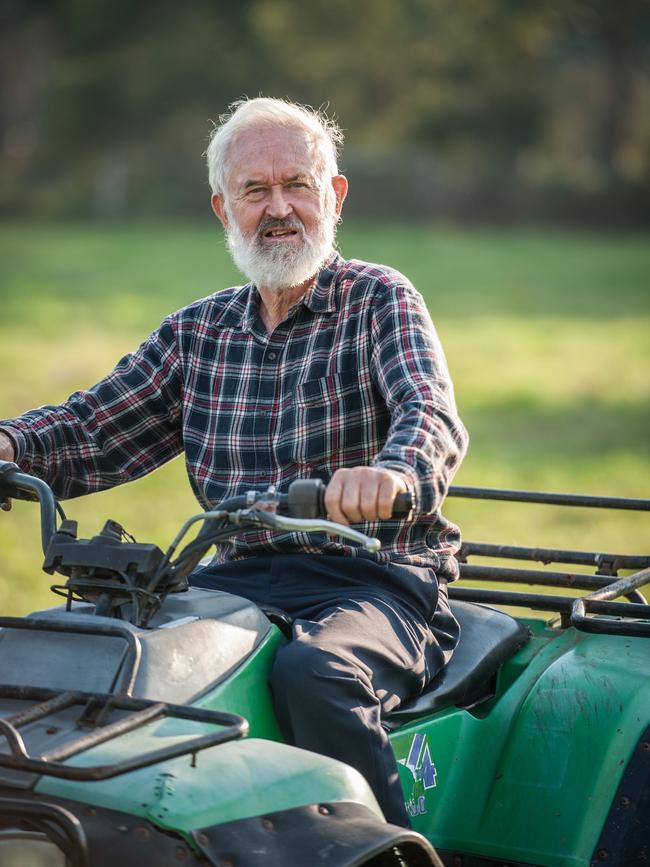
(366, 637)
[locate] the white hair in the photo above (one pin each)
(245, 114)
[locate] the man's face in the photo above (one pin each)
(279, 212)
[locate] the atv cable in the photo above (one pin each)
(191, 555)
(238, 513)
(165, 563)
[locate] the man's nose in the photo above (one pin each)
(279, 205)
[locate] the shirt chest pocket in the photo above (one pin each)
(323, 425)
(343, 387)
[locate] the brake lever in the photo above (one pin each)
(304, 525)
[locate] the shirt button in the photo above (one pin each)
(273, 355)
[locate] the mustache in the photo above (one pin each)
(268, 223)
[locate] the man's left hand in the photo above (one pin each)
(363, 494)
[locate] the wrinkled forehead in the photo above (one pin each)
(271, 154)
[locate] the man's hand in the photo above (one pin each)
(7, 453)
(363, 494)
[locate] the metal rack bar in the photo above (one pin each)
(572, 580)
(545, 602)
(586, 604)
(45, 708)
(45, 818)
(554, 555)
(231, 726)
(589, 500)
(128, 668)
(574, 611)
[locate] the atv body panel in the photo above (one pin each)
(529, 776)
(530, 749)
(525, 775)
(227, 646)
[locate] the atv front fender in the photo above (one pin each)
(340, 834)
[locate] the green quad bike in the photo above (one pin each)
(137, 727)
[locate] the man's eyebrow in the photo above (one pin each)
(253, 182)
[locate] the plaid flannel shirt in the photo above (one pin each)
(354, 376)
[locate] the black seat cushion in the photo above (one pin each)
(488, 638)
(280, 619)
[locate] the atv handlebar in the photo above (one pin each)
(301, 510)
(303, 506)
(21, 486)
(306, 499)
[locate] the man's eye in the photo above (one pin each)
(297, 185)
(255, 192)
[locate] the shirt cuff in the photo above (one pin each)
(18, 440)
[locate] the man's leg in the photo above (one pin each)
(360, 648)
(331, 683)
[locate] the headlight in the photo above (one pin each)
(29, 849)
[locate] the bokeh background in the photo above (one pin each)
(498, 153)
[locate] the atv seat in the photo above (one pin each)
(488, 638)
(279, 618)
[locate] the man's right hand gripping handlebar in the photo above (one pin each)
(7, 453)
(363, 494)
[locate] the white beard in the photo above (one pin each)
(283, 264)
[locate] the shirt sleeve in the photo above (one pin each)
(426, 440)
(123, 427)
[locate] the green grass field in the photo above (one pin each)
(546, 335)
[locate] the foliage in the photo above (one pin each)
(477, 108)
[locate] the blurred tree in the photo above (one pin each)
(619, 35)
(453, 105)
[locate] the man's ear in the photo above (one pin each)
(219, 208)
(340, 184)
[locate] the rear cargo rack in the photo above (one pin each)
(619, 618)
(98, 706)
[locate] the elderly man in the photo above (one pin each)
(319, 366)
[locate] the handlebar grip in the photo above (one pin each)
(306, 499)
(403, 504)
(14, 483)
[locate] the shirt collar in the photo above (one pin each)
(249, 314)
(319, 298)
(237, 311)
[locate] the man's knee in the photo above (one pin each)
(303, 665)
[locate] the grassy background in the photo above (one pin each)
(546, 334)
